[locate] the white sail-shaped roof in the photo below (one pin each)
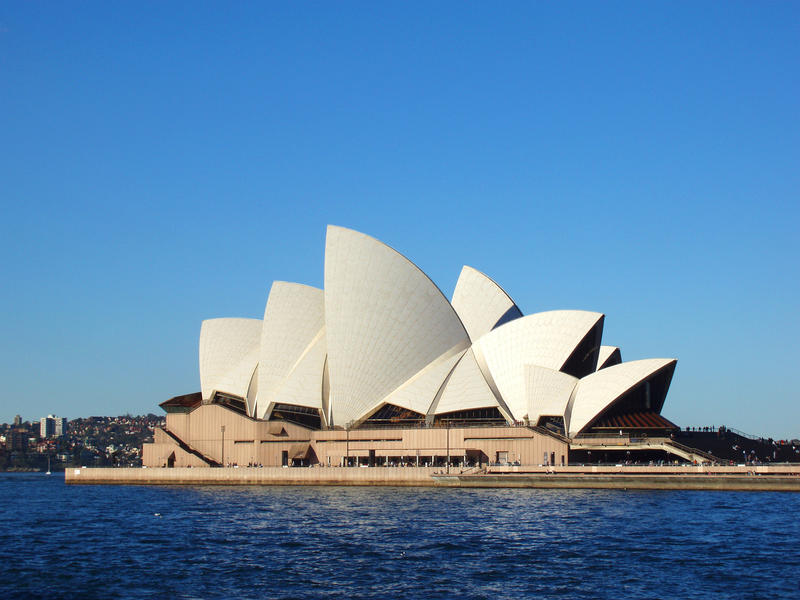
(228, 355)
(466, 388)
(481, 304)
(302, 385)
(546, 339)
(293, 318)
(419, 392)
(385, 322)
(548, 392)
(596, 392)
(608, 357)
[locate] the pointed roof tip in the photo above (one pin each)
(349, 232)
(625, 365)
(281, 283)
(596, 315)
(335, 229)
(469, 269)
(228, 319)
(339, 228)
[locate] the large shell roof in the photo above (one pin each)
(386, 321)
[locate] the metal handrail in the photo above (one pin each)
(546, 431)
(639, 441)
(706, 455)
(601, 435)
(743, 434)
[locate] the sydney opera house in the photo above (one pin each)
(380, 368)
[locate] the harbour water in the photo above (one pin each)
(59, 541)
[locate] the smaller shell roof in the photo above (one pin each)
(608, 356)
(481, 304)
(546, 339)
(228, 355)
(597, 392)
(293, 319)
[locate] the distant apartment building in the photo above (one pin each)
(52, 426)
(17, 421)
(17, 440)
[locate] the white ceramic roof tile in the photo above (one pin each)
(419, 392)
(548, 391)
(466, 389)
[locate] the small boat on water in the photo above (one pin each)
(48, 466)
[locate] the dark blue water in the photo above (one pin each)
(267, 542)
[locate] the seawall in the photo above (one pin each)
(407, 476)
(761, 478)
(751, 483)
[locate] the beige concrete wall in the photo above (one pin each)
(158, 455)
(518, 444)
(248, 441)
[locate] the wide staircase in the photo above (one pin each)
(187, 448)
(612, 443)
(731, 445)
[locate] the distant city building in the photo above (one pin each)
(17, 440)
(17, 421)
(47, 427)
(52, 426)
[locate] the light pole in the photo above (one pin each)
(448, 445)
(222, 430)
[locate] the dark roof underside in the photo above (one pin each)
(185, 401)
(634, 420)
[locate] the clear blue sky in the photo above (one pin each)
(163, 163)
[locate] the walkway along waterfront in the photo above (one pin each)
(749, 478)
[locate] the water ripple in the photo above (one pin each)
(331, 543)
